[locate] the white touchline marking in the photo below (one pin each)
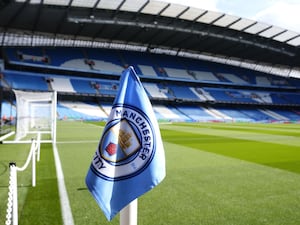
(63, 195)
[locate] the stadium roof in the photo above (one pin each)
(147, 25)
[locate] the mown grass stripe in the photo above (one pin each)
(209, 189)
(41, 204)
(244, 135)
(205, 185)
(283, 129)
(281, 156)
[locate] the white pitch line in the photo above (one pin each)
(7, 135)
(63, 195)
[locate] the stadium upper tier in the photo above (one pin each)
(146, 64)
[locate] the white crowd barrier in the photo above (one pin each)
(12, 201)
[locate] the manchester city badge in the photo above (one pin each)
(127, 144)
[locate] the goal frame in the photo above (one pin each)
(27, 120)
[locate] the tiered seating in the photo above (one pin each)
(61, 56)
(256, 114)
(158, 71)
(202, 94)
(64, 112)
(147, 70)
(107, 67)
(233, 78)
(145, 63)
(105, 55)
(291, 115)
(218, 115)
(83, 86)
(248, 76)
(204, 76)
(107, 87)
(165, 113)
(105, 60)
(294, 82)
(274, 115)
(154, 91)
(195, 113)
(262, 81)
(183, 92)
(280, 81)
(80, 111)
(262, 97)
(178, 73)
(278, 98)
(62, 85)
(220, 94)
(142, 63)
(79, 64)
(27, 55)
(235, 115)
(242, 96)
(25, 81)
(182, 116)
(195, 66)
(170, 66)
(292, 98)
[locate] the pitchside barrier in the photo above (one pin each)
(12, 201)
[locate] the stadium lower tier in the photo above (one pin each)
(76, 110)
(155, 90)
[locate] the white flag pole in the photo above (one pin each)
(128, 215)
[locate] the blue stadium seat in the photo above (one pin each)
(58, 56)
(183, 92)
(256, 115)
(83, 86)
(195, 113)
(25, 80)
(162, 69)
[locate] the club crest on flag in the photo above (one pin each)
(119, 142)
(129, 159)
(126, 146)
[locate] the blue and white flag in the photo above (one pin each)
(130, 159)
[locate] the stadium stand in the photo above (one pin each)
(83, 86)
(25, 81)
(190, 85)
(165, 113)
(62, 85)
(80, 111)
(155, 91)
(234, 115)
(196, 113)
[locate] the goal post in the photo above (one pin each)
(36, 113)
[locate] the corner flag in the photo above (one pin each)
(129, 160)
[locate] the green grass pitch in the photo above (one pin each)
(217, 174)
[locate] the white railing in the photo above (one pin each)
(12, 201)
(12, 209)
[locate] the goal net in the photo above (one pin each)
(36, 113)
